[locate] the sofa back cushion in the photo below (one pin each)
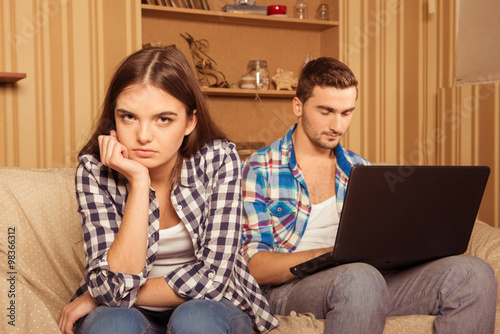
(40, 227)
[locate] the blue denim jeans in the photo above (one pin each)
(192, 317)
(356, 298)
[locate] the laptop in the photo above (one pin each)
(395, 217)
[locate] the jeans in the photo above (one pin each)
(356, 298)
(192, 317)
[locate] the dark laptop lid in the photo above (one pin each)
(398, 216)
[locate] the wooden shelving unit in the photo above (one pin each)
(234, 40)
(228, 92)
(11, 77)
(238, 19)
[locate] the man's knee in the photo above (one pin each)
(361, 281)
(476, 272)
(359, 289)
(363, 274)
(468, 278)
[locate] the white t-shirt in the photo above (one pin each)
(175, 249)
(322, 226)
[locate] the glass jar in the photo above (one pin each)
(246, 2)
(300, 10)
(322, 12)
(258, 69)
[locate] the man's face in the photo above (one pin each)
(325, 117)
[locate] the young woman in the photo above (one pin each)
(158, 187)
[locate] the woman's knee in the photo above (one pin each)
(106, 319)
(193, 309)
(208, 316)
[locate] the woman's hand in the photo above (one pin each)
(127, 253)
(74, 311)
(115, 155)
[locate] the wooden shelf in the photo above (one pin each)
(234, 39)
(229, 92)
(11, 77)
(238, 19)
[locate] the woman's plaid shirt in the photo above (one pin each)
(207, 200)
(276, 203)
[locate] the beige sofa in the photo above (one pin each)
(40, 234)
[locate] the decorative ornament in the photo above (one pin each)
(284, 80)
(309, 57)
(206, 66)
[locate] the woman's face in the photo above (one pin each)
(151, 124)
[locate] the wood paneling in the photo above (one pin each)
(392, 47)
(469, 117)
(68, 49)
(403, 53)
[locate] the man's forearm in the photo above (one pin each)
(274, 268)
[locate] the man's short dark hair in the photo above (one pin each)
(324, 72)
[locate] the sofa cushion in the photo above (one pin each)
(485, 244)
(49, 257)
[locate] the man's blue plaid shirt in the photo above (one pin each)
(276, 203)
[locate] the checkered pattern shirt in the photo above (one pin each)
(276, 203)
(207, 200)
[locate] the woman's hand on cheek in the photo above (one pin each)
(115, 155)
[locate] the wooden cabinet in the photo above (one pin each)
(234, 40)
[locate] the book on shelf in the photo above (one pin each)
(245, 9)
(176, 3)
(196, 4)
(205, 4)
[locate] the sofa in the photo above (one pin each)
(42, 256)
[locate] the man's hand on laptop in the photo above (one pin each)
(274, 268)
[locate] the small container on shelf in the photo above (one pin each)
(300, 10)
(246, 2)
(322, 12)
(247, 82)
(276, 10)
(258, 70)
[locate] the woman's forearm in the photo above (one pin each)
(127, 254)
(156, 292)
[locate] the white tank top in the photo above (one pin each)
(175, 249)
(322, 226)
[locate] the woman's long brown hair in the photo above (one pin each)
(166, 69)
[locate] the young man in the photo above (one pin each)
(293, 193)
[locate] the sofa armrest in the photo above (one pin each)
(485, 244)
